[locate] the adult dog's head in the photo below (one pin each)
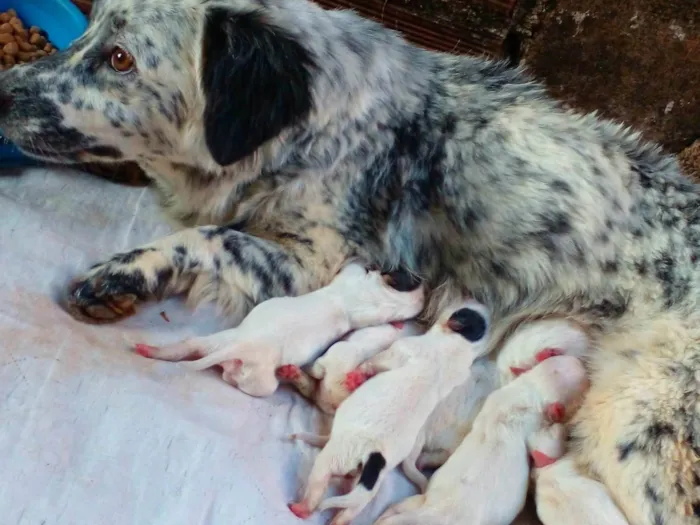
(180, 79)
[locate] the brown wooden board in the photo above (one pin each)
(453, 26)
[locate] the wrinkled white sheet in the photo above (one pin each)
(91, 434)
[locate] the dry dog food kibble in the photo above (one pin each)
(19, 45)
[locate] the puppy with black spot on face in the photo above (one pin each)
(485, 481)
(379, 425)
(562, 493)
(295, 330)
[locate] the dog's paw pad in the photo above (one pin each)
(104, 297)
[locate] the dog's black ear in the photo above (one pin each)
(256, 79)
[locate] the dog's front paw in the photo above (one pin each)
(107, 294)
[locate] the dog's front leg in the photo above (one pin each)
(222, 264)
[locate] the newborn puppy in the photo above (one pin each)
(446, 427)
(535, 341)
(326, 383)
(378, 425)
(452, 419)
(295, 330)
(547, 445)
(485, 481)
(563, 495)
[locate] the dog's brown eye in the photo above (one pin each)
(121, 60)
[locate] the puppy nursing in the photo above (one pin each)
(562, 493)
(332, 367)
(485, 481)
(379, 425)
(296, 330)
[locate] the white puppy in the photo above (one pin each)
(485, 481)
(452, 419)
(563, 494)
(326, 383)
(535, 341)
(377, 427)
(446, 427)
(295, 330)
(548, 445)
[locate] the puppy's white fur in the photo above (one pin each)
(564, 495)
(331, 368)
(547, 445)
(386, 414)
(295, 330)
(485, 481)
(452, 419)
(537, 340)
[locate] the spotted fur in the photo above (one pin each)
(289, 138)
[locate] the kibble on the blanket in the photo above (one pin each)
(19, 45)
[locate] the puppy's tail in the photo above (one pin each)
(372, 469)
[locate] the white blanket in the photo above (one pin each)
(94, 435)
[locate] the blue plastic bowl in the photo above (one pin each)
(63, 22)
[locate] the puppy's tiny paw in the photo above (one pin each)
(354, 379)
(288, 372)
(145, 350)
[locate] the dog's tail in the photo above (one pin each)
(372, 470)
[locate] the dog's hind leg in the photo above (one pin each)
(638, 429)
(233, 268)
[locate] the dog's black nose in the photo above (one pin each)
(469, 323)
(401, 281)
(6, 101)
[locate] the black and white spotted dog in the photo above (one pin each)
(289, 138)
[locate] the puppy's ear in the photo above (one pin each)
(256, 79)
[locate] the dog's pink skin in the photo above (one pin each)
(398, 324)
(300, 510)
(145, 350)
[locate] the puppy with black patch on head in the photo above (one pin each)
(379, 425)
(485, 481)
(295, 330)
